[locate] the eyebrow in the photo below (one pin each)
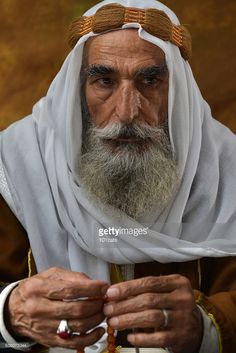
(149, 71)
(98, 70)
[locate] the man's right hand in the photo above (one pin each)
(37, 305)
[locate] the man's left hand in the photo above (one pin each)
(140, 303)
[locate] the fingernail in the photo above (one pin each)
(130, 338)
(108, 309)
(114, 321)
(112, 292)
(104, 289)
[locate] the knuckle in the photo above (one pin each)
(26, 288)
(151, 300)
(54, 292)
(149, 281)
(177, 278)
(55, 273)
(62, 311)
(162, 340)
(79, 311)
(152, 279)
(85, 325)
(79, 327)
(87, 309)
(31, 286)
(184, 281)
(187, 299)
(31, 308)
(152, 316)
(65, 292)
(83, 275)
(54, 269)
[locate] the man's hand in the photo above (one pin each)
(38, 304)
(139, 304)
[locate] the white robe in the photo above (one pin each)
(38, 180)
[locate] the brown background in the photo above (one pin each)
(33, 45)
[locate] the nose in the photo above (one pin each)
(127, 103)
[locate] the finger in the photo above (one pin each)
(156, 339)
(61, 273)
(86, 324)
(143, 285)
(76, 326)
(140, 303)
(86, 340)
(148, 318)
(38, 326)
(80, 309)
(58, 273)
(75, 342)
(62, 289)
(61, 310)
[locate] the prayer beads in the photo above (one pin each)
(111, 341)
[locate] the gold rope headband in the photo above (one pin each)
(114, 16)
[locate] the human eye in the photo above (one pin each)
(104, 82)
(150, 80)
(152, 77)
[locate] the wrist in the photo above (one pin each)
(7, 318)
(24, 344)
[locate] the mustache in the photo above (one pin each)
(133, 130)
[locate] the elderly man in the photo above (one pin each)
(120, 171)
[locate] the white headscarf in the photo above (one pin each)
(37, 173)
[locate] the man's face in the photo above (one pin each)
(127, 160)
(126, 80)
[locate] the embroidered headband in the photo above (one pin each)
(114, 16)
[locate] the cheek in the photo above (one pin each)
(163, 107)
(154, 104)
(91, 102)
(154, 110)
(98, 109)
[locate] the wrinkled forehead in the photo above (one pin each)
(121, 45)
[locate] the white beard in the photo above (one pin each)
(135, 178)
